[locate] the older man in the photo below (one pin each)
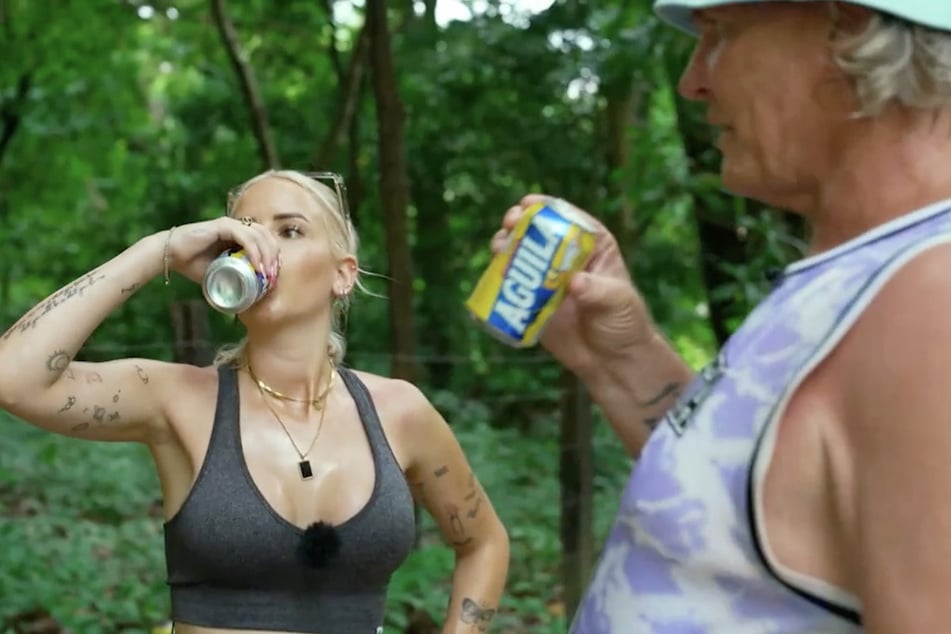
(802, 481)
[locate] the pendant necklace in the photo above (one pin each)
(319, 403)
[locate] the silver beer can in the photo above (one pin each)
(231, 284)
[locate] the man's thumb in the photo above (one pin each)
(598, 292)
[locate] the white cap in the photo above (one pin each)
(932, 13)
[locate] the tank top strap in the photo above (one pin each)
(368, 416)
(224, 444)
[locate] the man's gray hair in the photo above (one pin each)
(893, 60)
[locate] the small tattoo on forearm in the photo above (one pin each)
(93, 377)
(142, 375)
(130, 289)
(58, 361)
(476, 615)
(70, 401)
(98, 413)
(441, 471)
(115, 397)
(671, 389)
(113, 417)
(80, 427)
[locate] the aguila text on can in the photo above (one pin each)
(526, 282)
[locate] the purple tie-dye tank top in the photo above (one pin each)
(687, 553)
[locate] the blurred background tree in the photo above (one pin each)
(122, 117)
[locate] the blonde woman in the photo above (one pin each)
(285, 476)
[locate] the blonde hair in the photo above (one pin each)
(892, 60)
(343, 242)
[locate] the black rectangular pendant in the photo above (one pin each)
(306, 473)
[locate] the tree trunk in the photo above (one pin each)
(576, 473)
(192, 332)
(249, 85)
(434, 248)
(11, 116)
(350, 91)
(619, 113)
(394, 193)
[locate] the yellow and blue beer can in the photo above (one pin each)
(526, 282)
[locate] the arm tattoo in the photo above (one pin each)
(459, 536)
(58, 361)
(671, 389)
(130, 289)
(60, 297)
(142, 375)
(473, 498)
(70, 401)
(476, 615)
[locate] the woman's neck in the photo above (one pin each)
(298, 367)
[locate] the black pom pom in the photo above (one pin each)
(318, 545)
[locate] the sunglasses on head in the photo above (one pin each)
(339, 186)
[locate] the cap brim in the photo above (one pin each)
(935, 14)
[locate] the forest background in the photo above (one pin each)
(119, 118)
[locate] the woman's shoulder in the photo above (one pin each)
(175, 383)
(385, 387)
(398, 401)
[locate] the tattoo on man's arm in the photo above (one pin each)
(671, 389)
(476, 615)
(130, 289)
(142, 375)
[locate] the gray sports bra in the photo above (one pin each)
(234, 562)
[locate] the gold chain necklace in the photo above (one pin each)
(303, 466)
(316, 403)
